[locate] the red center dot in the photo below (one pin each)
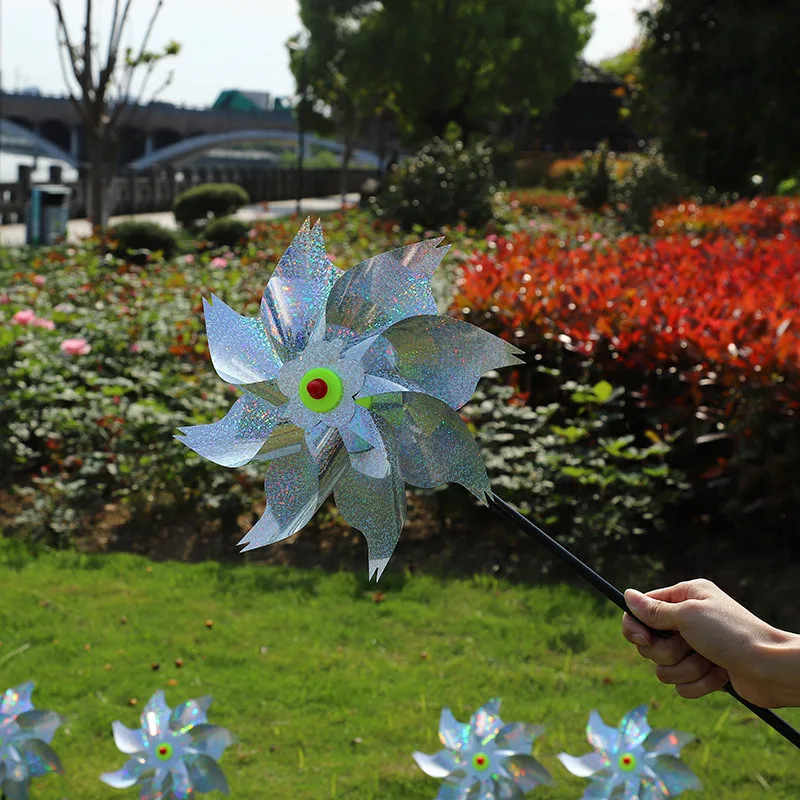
(317, 388)
(626, 760)
(481, 761)
(162, 750)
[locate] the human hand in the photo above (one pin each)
(716, 640)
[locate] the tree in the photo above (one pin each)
(100, 81)
(721, 81)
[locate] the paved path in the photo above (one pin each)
(14, 235)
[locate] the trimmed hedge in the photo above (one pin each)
(226, 231)
(194, 207)
(132, 237)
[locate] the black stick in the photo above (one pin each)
(610, 591)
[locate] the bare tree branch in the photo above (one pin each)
(64, 31)
(88, 75)
(143, 48)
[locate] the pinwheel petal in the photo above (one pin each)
(211, 740)
(238, 437)
(155, 715)
(128, 741)
(583, 766)
(296, 485)
(432, 443)
(634, 727)
(240, 347)
(17, 700)
(295, 297)
(601, 736)
(374, 506)
(378, 292)
(365, 444)
(181, 782)
(38, 724)
(127, 776)
(205, 774)
(452, 733)
(151, 788)
(671, 776)
(486, 722)
(39, 758)
(667, 742)
(193, 712)
(528, 773)
(441, 765)
(459, 791)
(439, 356)
(517, 737)
(15, 788)
(506, 790)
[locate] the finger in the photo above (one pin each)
(713, 681)
(698, 588)
(635, 632)
(667, 652)
(652, 612)
(690, 669)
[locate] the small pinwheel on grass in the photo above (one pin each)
(173, 754)
(351, 383)
(25, 736)
(484, 759)
(632, 762)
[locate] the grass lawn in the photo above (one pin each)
(328, 690)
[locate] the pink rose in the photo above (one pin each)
(76, 347)
(252, 233)
(46, 324)
(189, 259)
(136, 347)
(219, 263)
(40, 280)
(24, 317)
(5, 299)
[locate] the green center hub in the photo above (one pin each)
(321, 390)
(627, 762)
(164, 752)
(480, 762)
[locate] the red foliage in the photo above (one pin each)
(684, 301)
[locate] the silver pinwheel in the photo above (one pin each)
(173, 754)
(484, 759)
(25, 736)
(632, 761)
(351, 384)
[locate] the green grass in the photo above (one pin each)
(302, 664)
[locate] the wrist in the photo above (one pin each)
(779, 656)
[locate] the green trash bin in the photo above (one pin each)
(48, 214)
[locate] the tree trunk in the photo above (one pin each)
(100, 175)
(347, 155)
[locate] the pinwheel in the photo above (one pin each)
(351, 383)
(173, 754)
(25, 736)
(484, 758)
(632, 762)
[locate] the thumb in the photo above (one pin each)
(653, 613)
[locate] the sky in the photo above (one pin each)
(226, 44)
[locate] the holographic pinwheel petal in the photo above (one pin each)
(36, 724)
(240, 347)
(211, 740)
(295, 297)
(383, 290)
(507, 791)
(459, 791)
(374, 506)
(155, 715)
(17, 700)
(673, 776)
(583, 766)
(128, 741)
(667, 742)
(517, 737)
(527, 772)
(439, 356)
(602, 737)
(39, 758)
(182, 788)
(238, 437)
(452, 733)
(294, 492)
(441, 765)
(127, 776)
(433, 444)
(365, 444)
(185, 716)
(486, 722)
(634, 727)
(206, 775)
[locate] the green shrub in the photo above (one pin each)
(592, 182)
(446, 182)
(194, 207)
(226, 231)
(648, 185)
(134, 237)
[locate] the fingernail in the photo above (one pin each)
(633, 596)
(638, 638)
